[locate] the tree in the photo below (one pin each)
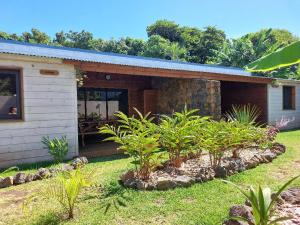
(166, 29)
(158, 47)
(36, 36)
(191, 38)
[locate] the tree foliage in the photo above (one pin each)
(169, 40)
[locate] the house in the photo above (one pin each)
(39, 95)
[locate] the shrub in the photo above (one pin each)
(177, 134)
(138, 139)
(58, 148)
(66, 189)
(262, 203)
(245, 114)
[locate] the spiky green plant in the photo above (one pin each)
(66, 189)
(58, 148)
(245, 114)
(262, 204)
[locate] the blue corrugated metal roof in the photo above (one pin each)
(29, 49)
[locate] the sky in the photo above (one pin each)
(122, 18)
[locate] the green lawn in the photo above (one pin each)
(206, 203)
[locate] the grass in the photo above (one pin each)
(203, 204)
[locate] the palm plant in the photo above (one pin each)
(66, 189)
(138, 139)
(263, 204)
(245, 114)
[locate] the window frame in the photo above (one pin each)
(293, 97)
(20, 93)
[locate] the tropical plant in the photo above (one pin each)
(177, 134)
(66, 189)
(138, 139)
(287, 56)
(58, 148)
(263, 203)
(245, 114)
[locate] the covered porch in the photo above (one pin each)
(110, 88)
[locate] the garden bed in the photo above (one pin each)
(288, 205)
(197, 169)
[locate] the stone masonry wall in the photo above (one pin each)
(174, 93)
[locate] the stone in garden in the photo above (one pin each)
(79, 162)
(240, 211)
(141, 185)
(291, 196)
(183, 181)
(29, 177)
(44, 173)
(269, 155)
(66, 167)
(127, 175)
(37, 177)
(6, 182)
(19, 178)
(164, 183)
(220, 172)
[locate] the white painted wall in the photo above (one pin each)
(50, 109)
(275, 105)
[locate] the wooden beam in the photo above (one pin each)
(157, 72)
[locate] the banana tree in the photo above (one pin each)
(283, 57)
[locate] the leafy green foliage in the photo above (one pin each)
(245, 114)
(58, 148)
(138, 139)
(263, 203)
(166, 29)
(66, 189)
(177, 134)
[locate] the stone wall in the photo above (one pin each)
(174, 93)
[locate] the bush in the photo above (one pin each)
(245, 114)
(138, 139)
(58, 148)
(177, 134)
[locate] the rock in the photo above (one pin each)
(37, 177)
(278, 148)
(205, 174)
(29, 177)
(66, 167)
(220, 172)
(240, 211)
(53, 171)
(164, 183)
(141, 185)
(291, 196)
(44, 173)
(183, 181)
(269, 155)
(127, 175)
(7, 182)
(19, 178)
(131, 183)
(233, 165)
(79, 162)
(252, 163)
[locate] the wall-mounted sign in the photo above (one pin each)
(49, 72)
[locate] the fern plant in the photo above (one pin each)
(66, 189)
(137, 138)
(58, 148)
(262, 203)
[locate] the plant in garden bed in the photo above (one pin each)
(245, 114)
(262, 203)
(138, 138)
(177, 134)
(58, 148)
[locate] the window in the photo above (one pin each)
(101, 103)
(10, 100)
(288, 97)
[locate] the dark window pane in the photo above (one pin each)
(288, 97)
(9, 95)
